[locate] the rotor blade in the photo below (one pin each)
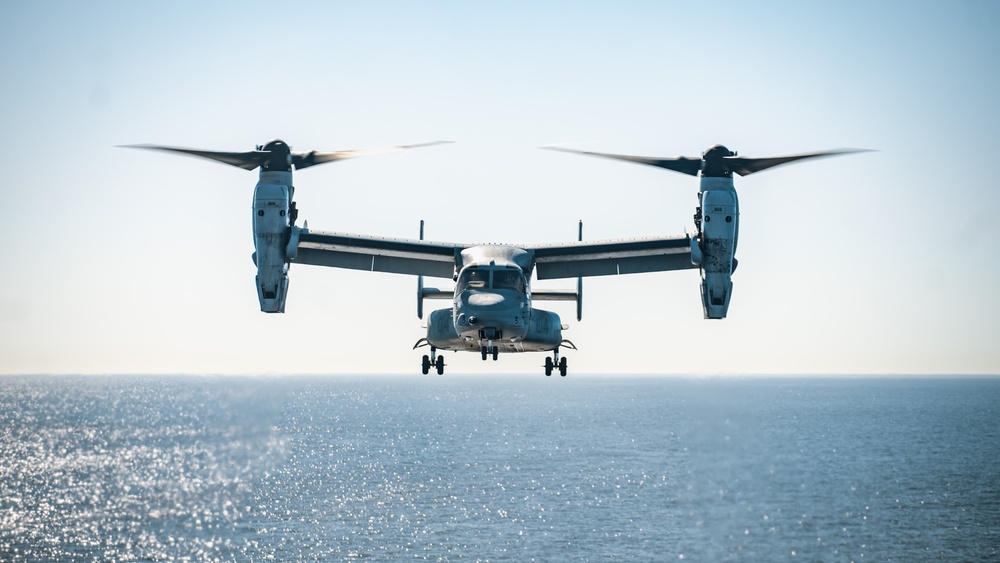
(682, 164)
(745, 166)
(246, 160)
(312, 158)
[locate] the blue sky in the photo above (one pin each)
(121, 261)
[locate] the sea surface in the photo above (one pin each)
(517, 468)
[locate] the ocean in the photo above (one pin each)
(491, 468)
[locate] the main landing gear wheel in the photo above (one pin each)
(435, 361)
(555, 363)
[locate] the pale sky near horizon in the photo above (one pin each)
(125, 261)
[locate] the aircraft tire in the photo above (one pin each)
(548, 367)
(562, 367)
(425, 365)
(440, 365)
(485, 353)
(496, 353)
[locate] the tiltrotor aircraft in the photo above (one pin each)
(492, 302)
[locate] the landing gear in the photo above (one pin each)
(491, 350)
(433, 360)
(555, 363)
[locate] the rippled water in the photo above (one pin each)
(515, 469)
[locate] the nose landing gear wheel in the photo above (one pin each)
(425, 365)
(439, 365)
(548, 366)
(496, 353)
(562, 367)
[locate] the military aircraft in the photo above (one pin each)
(492, 307)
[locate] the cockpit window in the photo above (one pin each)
(508, 279)
(479, 278)
(474, 278)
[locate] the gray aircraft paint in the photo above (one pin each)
(495, 314)
(489, 319)
(271, 232)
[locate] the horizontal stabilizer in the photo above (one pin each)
(434, 293)
(430, 293)
(555, 295)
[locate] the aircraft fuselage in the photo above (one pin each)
(492, 306)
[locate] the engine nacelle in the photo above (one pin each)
(272, 295)
(716, 291)
(271, 235)
(718, 237)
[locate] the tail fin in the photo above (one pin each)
(429, 292)
(579, 281)
(420, 282)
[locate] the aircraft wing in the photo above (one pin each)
(605, 258)
(377, 254)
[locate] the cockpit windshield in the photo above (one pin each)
(479, 278)
(474, 278)
(508, 279)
